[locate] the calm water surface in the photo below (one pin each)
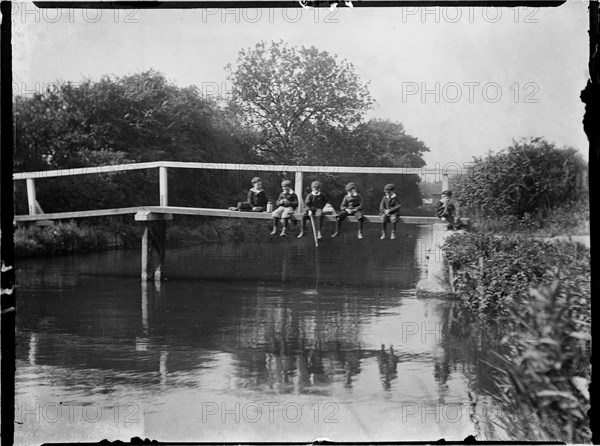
(243, 342)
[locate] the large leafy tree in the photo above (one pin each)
(286, 92)
(142, 117)
(377, 143)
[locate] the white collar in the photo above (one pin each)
(352, 193)
(255, 190)
(392, 195)
(315, 193)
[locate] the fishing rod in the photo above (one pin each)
(312, 222)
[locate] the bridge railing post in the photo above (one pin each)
(163, 183)
(298, 189)
(31, 200)
(445, 182)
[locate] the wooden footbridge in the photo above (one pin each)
(155, 217)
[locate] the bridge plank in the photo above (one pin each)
(147, 211)
(79, 214)
(84, 170)
(217, 166)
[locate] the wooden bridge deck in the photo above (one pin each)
(155, 217)
(143, 213)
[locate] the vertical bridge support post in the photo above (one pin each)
(445, 182)
(31, 200)
(163, 184)
(154, 239)
(299, 190)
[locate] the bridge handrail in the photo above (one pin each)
(215, 166)
(34, 207)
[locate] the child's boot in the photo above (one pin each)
(393, 236)
(319, 236)
(302, 229)
(274, 231)
(337, 229)
(360, 236)
(383, 235)
(283, 232)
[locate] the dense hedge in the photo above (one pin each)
(538, 294)
(71, 238)
(526, 181)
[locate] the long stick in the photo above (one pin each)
(312, 222)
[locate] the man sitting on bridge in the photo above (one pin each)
(287, 202)
(257, 198)
(315, 202)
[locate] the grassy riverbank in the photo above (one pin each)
(74, 238)
(535, 294)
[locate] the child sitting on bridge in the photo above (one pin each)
(351, 205)
(257, 198)
(389, 210)
(315, 202)
(287, 204)
(445, 210)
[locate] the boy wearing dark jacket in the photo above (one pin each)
(351, 205)
(389, 210)
(315, 202)
(445, 209)
(257, 198)
(287, 204)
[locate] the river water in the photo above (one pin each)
(272, 341)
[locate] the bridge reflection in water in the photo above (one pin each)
(247, 344)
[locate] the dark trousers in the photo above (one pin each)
(318, 213)
(342, 216)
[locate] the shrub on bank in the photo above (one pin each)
(58, 239)
(523, 185)
(538, 294)
(571, 218)
(70, 238)
(547, 364)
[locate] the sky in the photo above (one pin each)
(462, 80)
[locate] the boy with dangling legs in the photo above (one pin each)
(445, 210)
(287, 204)
(351, 205)
(315, 202)
(389, 210)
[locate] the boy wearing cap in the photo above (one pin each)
(257, 198)
(445, 209)
(389, 210)
(287, 204)
(315, 202)
(351, 205)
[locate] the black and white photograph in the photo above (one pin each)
(340, 221)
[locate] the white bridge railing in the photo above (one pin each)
(162, 166)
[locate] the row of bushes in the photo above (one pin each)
(572, 218)
(537, 295)
(71, 238)
(526, 182)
